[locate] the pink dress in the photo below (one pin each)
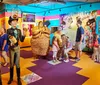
(95, 44)
(54, 47)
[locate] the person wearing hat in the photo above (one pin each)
(14, 49)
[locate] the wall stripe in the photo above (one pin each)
(98, 12)
(2, 15)
(52, 17)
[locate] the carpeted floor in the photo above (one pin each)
(85, 72)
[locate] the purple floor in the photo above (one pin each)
(26, 54)
(61, 74)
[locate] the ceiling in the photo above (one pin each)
(44, 6)
(24, 2)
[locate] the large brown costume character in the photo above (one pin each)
(40, 40)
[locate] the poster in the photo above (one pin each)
(28, 17)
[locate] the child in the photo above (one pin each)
(55, 48)
(3, 45)
(65, 45)
(95, 48)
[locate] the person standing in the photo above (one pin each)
(55, 48)
(79, 40)
(14, 49)
(3, 45)
(58, 34)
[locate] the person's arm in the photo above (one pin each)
(8, 33)
(82, 34)
(56, 45)
(5, 42)
(22, 37)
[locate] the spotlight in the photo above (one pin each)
(48, 11)
(80, 6)
(90, 5)
(59, 9)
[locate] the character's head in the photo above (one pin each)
(40, 24)
(46, 23)
(79, 22)
(13, 21)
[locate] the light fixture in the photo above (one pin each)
(59, 9)
(90, 5)
(48, 11)
(80, 6)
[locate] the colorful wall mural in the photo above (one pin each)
(89, 19)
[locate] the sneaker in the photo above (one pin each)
(77, 59)
(54, 61)
(57, 60)
(60, 58)
(66, 60)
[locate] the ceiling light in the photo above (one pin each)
(80, 6)
(59, 9)
(90, 5)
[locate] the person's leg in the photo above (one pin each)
(54, 54)
(94, 54)
(80, 50)
(59, 54)
(0, 75)
(4, 55)
(11, 65)
(99, 54)
(66, 55)
(76, 50)
(0, 79)
(17, 62)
